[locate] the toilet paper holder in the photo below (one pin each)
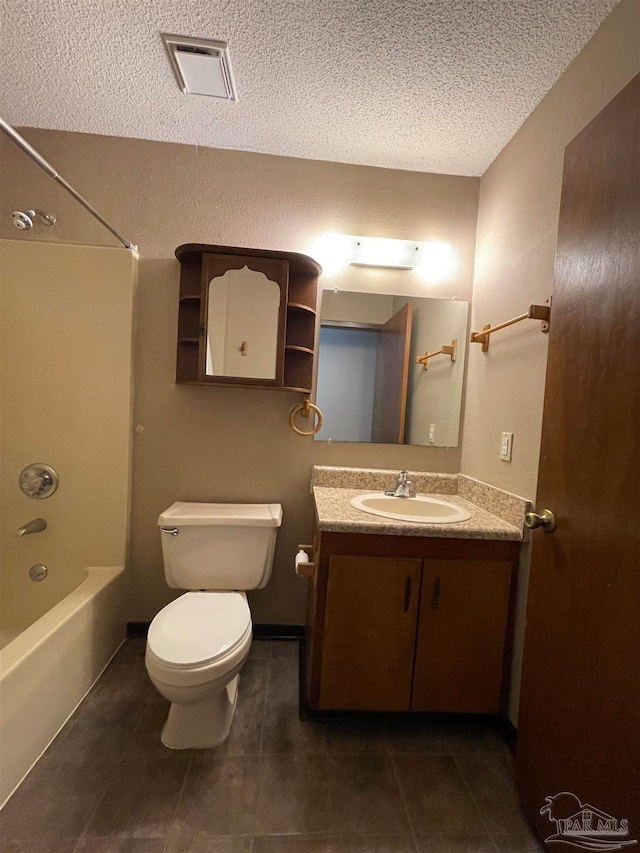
(305, 570)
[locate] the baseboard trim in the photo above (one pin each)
(278, 632)
(137, 629)
(260, 631)
(509, 732)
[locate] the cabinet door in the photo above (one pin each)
(369, 633)
(244, 318)
(460, 650)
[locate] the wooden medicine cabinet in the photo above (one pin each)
(247, 317)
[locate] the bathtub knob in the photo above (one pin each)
(38, 481)
(38, 572)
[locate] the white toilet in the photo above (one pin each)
(198, 643)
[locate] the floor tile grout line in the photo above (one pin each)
(404, 803)
(264, 705)
(177, 805)
(320, 834)
(476, 803)
(329, 797)
(260, 755)
(116, 765)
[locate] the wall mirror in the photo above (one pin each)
(371, 386)
(244, 318)
(243, 315)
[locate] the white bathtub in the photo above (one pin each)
(46, 671)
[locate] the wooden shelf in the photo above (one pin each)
(298, 368)
(300, 307)
(188, 340)
(303, 288)
(297, 390)
(185, 299)
(299, 349)
(301, 328)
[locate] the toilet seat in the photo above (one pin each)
(199, 636)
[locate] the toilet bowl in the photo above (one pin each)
(195, 650)
(197, 644)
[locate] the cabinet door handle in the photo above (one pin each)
(436, 594)
(407, 595)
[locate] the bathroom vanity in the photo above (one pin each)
(409, 617)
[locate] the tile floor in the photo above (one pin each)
(278, 785)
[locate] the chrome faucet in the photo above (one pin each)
(404, 487)
(35, 526)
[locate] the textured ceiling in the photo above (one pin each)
(430, 85)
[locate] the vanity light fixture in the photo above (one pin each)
(431, 260)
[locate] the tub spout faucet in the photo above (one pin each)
(404, 487)
(35, 526)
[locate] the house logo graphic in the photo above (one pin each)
(584, 826)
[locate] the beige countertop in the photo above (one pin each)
(335, 514)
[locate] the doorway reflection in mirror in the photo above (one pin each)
(370, 386)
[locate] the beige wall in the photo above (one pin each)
(516, 245)
(65, 379)
(217, 443)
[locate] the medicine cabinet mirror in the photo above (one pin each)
(371, 386)
(244, 314)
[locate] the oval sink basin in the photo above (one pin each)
(418, 509)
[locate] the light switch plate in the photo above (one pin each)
(506, 446)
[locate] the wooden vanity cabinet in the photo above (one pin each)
(370, 628)
(399, 623)
(461, 637)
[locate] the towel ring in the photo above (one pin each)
(305, 408)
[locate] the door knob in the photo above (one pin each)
(544, 519)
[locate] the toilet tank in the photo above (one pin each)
(219, 546)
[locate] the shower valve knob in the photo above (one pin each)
(38, 481)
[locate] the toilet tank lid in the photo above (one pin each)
(185, 513)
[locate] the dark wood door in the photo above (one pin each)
(462, 630)
(369, 633)
(579, 726)
(392, 375)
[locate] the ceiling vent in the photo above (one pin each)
(201, 67)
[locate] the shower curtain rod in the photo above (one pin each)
(22, 143)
